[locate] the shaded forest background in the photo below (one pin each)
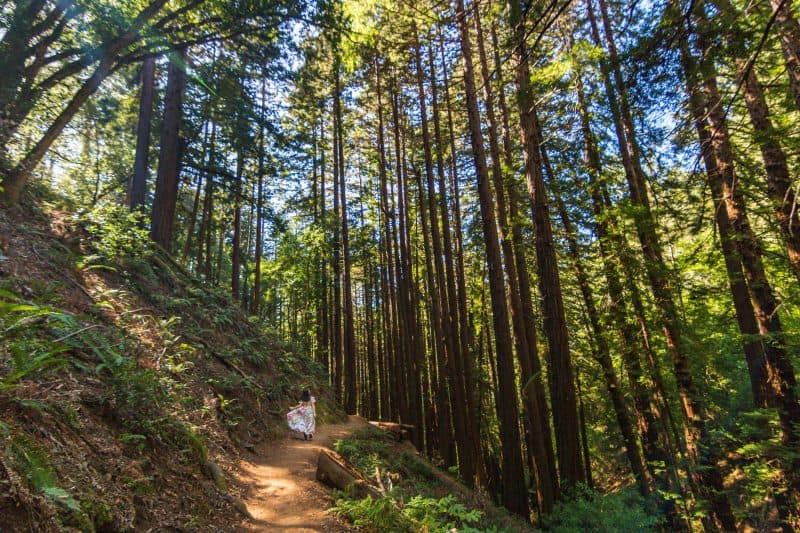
(560, 239)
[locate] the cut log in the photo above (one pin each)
(399, 431)
(335, 471)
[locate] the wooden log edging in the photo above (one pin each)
(400, 432)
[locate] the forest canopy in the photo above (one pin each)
(559, 239)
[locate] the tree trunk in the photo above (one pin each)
(236, 245)
(560, 376)
(137, 188)
(514, 489)
(350, 350)
(166, 195)
(442, 313)
(789, 32)
(530, 365)
(542, 470)
(255, 304)
(336, 339)
(455, 254)
(780, 373)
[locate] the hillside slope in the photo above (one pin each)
(128, 388)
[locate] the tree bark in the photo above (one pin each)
(255, 304)
(530, 365)
(236, 245)
(560, 376)
(137, 188)
(507, 409)
(535, 439)
(166, 195)
(350, 349)
(789, 32)
(446, 336)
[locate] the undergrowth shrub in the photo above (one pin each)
(33, 463)
(24, 350)
(365, 448)
(587, 510)
(373, 516)
(140, 404)
(411, 505)
(118, 233)
(420, 514)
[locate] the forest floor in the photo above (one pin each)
(284, 494)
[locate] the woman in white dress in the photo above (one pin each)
(302, 417)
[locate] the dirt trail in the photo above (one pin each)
(284, 495)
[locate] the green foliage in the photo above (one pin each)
(118, 233)
(33, 463)
(412, 466)
(142, 405)
(365, 448)
(446, 513)
(26, 352)
(411, 505)
(373, 516)
(98, 513)
(419, 514)
(587, 510)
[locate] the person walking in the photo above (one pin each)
(302, 417)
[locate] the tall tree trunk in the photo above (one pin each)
(324, 323)
(236, 245)
(459, 290)
(400, 404)
(444, 404)
(613, 261)
(204, 234)
(166, 195)
(603, 355)
(530, 365)
(255, 304)
(789, 32)
(534, 438)
(350, 350)
(507, 409)
(336, 340)
(388, 282)
(137, 187)
(707, 478)
(187, 245)
(440, 303)
(560, 376)
(780, 373)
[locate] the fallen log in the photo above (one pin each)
(335, 471)
(399, 431)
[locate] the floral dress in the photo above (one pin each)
(302, 418)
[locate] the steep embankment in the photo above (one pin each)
(128, 389)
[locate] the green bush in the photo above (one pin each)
(374, 516)
(33, 463)
(443, 514)
(587, 510)
(365, 448)
(118, 233)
